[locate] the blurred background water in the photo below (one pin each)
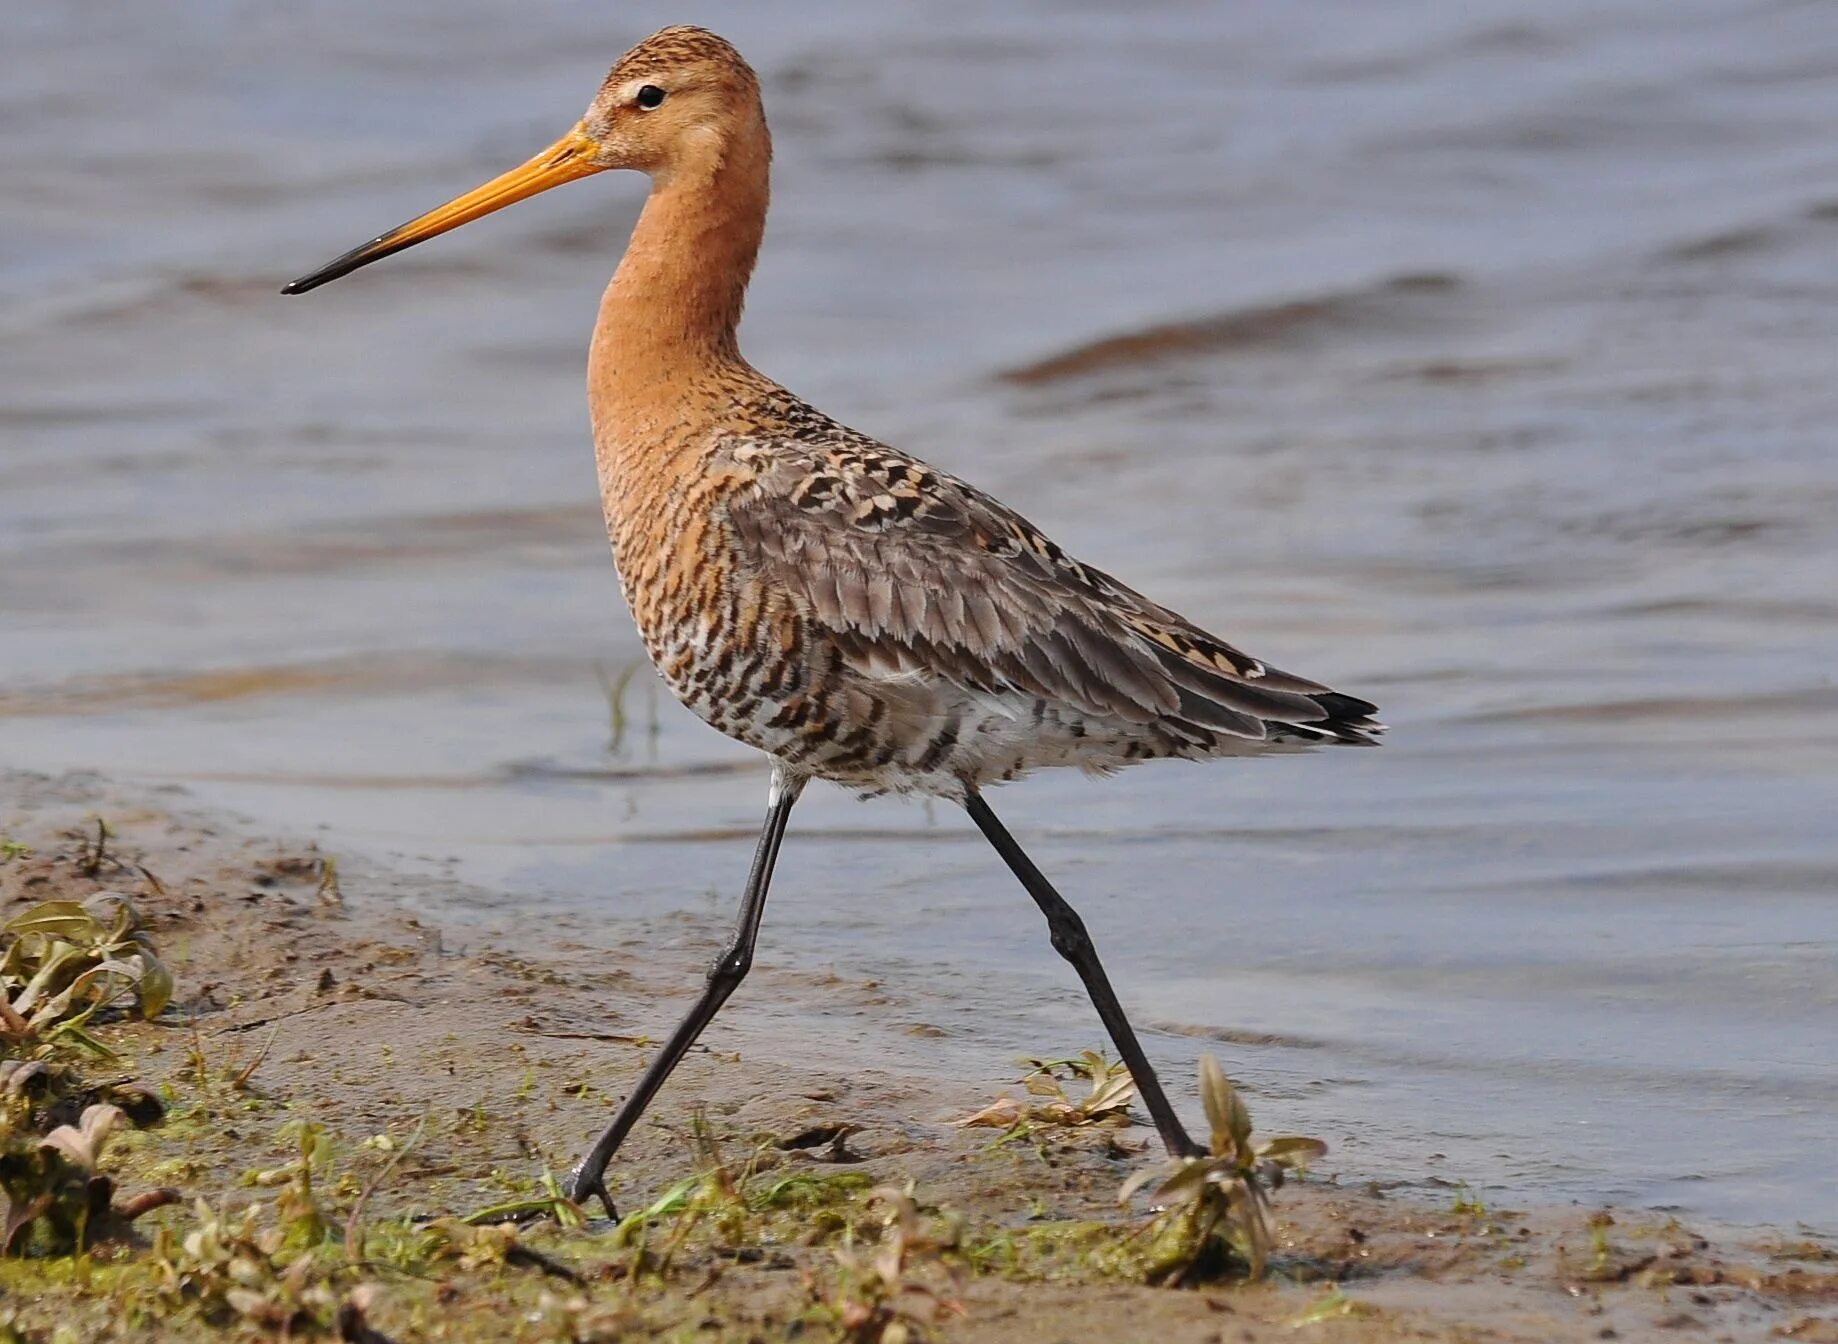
(1475, 357)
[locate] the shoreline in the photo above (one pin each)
(504, 1056)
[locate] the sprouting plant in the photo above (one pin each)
(1466, 1203)
(1215, 1208)
(470, 1245)
(548, 1201)
(1601, 1249)
(269, 1265)
(473, 1119)
(12, 849)
(328, 889)
(304, 1222)
(615, 686)
(240, 1266)
(1107, 1102)
(65, 960)
(614, 689)
(354, 1220)
(876, 1298)
(717, 1195)
(95, 853)
(59, 1200)
(476, 1246)
(61, 962)
(1331, 1306)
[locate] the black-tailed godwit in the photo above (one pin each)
(855, 614)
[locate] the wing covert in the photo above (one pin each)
(913, 572)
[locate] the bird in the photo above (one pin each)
(854, 613)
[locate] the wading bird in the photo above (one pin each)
(854, 613)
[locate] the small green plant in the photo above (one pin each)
(270, 1264)
(886, 1292)
(305, 1221)
(327, 889)
(1605, 1262)
(1332, 1306)
(547, 1201)
(59, 1200)
(64, 961)
(477, 1246)
(1466, 1203)
(1106, 1103)
(61, 963)
(239, 1266)
(470, 1245)
(614, 687)
(1215, 1208)
(95, 853)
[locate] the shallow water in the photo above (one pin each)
(1473, 357)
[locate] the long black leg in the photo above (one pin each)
(1072, 942)
(588, 1178)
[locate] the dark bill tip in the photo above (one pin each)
(374, 250)
(574, 155)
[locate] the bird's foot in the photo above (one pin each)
(1185, 1147)
(582, 1185)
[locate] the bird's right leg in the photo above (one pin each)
(1073, 943)
(588, 1178)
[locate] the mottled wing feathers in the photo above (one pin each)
(917, 574)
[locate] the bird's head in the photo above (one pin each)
(680, 101)
(678, 105)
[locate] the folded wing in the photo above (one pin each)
(915, 573)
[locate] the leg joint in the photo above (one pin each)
(731, 967)
(1069, 935)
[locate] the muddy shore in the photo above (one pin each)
(447, 1071)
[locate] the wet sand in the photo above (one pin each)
(355, 1011)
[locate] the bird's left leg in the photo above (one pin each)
(589, 1175)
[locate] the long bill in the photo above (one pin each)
(568, 158)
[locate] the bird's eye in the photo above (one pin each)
(649, 97)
